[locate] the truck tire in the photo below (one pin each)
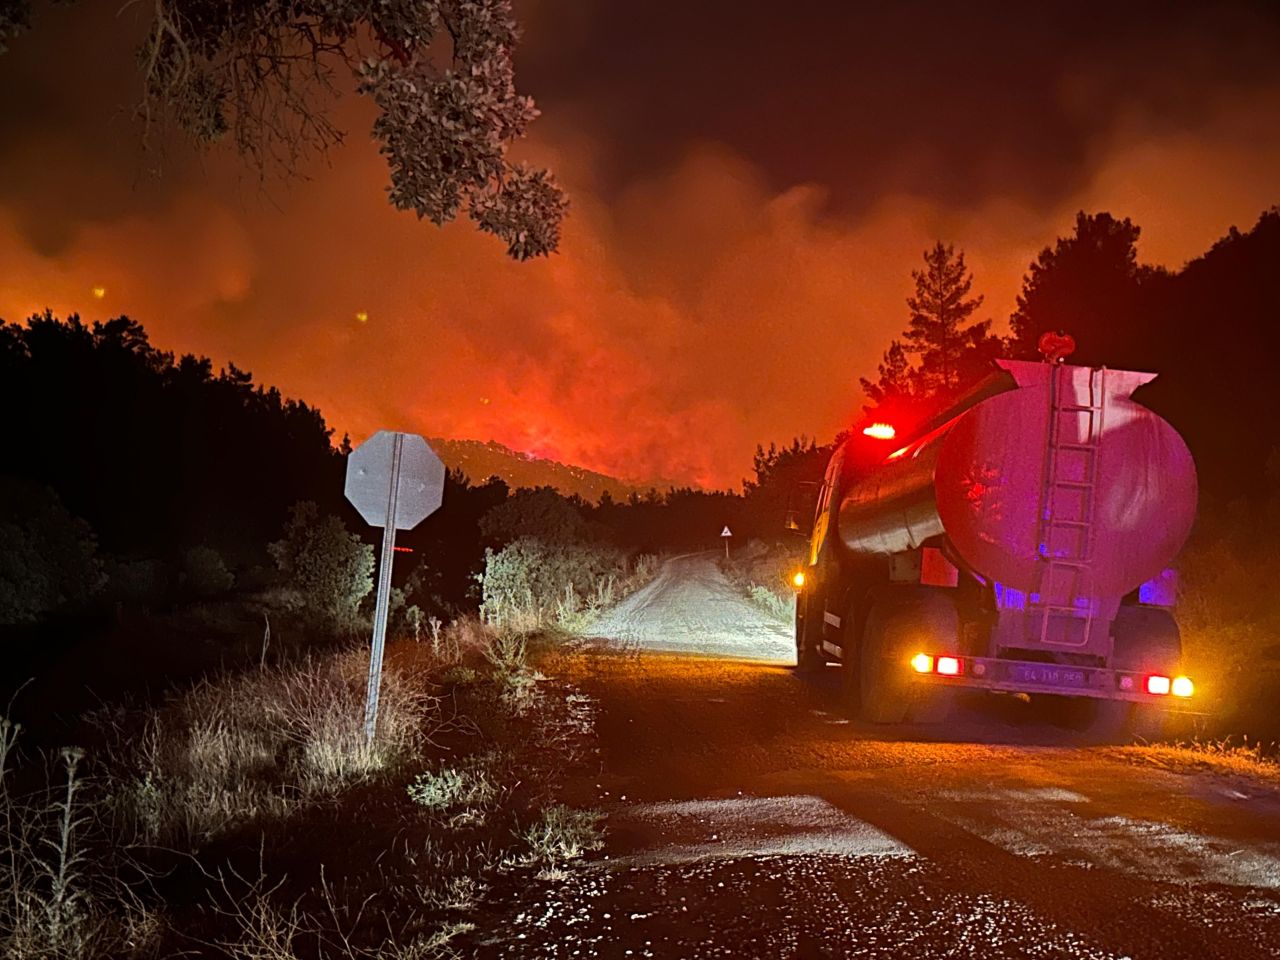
(901, 622)
(1099, 719)
(809, 659)
(1147, 640)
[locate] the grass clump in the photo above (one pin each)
(561, 834)
(450, 789)
(1256, 760)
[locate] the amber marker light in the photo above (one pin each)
(922, 663)
(797, 580)
(880, 431)
(1183, 687)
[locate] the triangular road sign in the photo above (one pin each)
(726, 532)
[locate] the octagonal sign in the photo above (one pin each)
(402, 459)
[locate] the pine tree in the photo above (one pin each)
(949, 346)
(943, 350)
(895, 383)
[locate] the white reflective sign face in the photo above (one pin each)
(421, 486)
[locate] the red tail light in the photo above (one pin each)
(949, 666)
(1158, 685)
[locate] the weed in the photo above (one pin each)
(459, 676)
(561, 834)
(449, 788)
(56, 902)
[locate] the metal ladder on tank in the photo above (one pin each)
(1072, 571)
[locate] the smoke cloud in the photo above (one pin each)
(703, 301)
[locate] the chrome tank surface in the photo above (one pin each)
(1011, 489)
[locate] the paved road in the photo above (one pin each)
(689, 607)
(748, 818)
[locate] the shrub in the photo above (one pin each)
(205, 573)
(47, 557)
(328, 569)
(781, 606)
(145, 580)
(541, 513)
(763, 574)
(530, 584)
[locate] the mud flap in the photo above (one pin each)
(809, 659)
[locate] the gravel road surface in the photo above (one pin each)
(689, 607)
(747, 817)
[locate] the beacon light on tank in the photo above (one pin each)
(880, 431)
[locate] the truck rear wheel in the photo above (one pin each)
(1147, 640)
(901, 623)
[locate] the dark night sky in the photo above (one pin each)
(752, 184)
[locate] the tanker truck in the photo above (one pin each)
(1020, 542)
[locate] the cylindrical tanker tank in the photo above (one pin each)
(1064, 463)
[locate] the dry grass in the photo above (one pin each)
(256, 747)
(1254, 760)
(251, 750)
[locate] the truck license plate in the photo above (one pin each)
(1048, 675)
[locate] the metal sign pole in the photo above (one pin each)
(384, 595)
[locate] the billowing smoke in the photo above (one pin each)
(697, 307)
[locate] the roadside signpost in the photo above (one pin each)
(395, 481)
(726, 533)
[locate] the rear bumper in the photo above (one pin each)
(1023, 676)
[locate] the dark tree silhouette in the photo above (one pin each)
(158, 454)
(943, 351)
(894, 387)
(1087, 285)
(440, 74)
